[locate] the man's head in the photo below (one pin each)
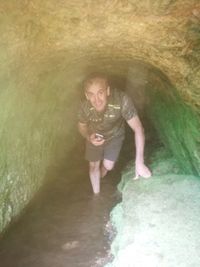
(97, 90)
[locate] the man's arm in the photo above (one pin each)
(140, 168)
(83, 129)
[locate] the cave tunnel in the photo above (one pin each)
(151, 51)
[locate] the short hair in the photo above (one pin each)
(93, 78)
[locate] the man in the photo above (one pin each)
(101, 121)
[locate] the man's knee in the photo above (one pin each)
(108, 164)
(94, 166)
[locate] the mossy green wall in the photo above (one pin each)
(179, 129)
(175, 123)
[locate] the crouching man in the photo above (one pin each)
(101, 120)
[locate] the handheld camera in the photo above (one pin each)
(99, 136)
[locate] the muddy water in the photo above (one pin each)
(66, 224)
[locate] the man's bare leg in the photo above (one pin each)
(107, 165)
(94, 171)
(104, 171)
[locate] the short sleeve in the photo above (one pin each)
(82, 114)
(128, 109)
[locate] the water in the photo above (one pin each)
(65, 225)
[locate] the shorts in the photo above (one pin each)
(109, 150)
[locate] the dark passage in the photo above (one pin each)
(65, 225)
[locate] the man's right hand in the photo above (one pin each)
(96, 141)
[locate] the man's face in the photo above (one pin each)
(97, 93)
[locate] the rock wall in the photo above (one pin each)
(157, 221)
(47, 47)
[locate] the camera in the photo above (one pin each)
(99, 136)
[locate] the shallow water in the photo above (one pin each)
(65, 225)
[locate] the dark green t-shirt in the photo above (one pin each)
(110, 122)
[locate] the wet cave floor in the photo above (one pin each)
(65, 225)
